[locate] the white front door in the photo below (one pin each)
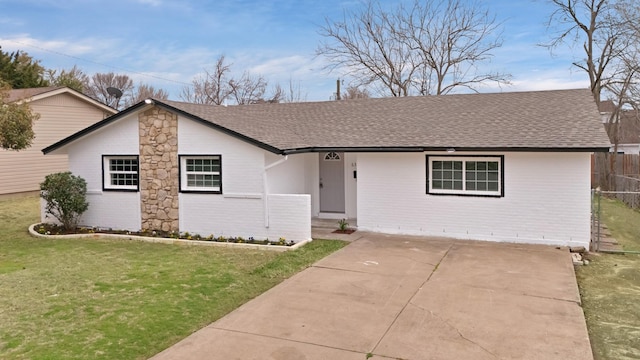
(332, 182)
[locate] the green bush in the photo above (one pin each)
(66, 197)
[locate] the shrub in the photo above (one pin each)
(66, 197)
(343, 225)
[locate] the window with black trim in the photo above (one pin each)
(120, 172)
(459, 175)
(201, 173)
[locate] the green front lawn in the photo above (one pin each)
(118, 299)
(610, 288)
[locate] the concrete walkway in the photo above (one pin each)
(409, 298)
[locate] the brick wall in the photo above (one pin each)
(547, 200)
(240, 210)
(107, 209)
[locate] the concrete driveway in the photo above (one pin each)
(405, 297)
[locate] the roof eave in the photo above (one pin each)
(600, 148)
(72, 92)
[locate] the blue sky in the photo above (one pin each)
(166, 43)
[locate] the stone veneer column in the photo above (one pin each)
(159, 169)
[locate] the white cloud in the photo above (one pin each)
(295, 66)
(69, 48)
(553, 79)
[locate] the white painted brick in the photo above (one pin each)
(547, 200)
(289, 217)
(546, 194)
(118, 210)
(288, 177)
(242, 163)
(240, 210)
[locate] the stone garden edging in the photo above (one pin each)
(160, 240)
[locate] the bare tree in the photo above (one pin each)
(623, 89)
(97, 85)
(277, 95)
(630, 15)
(597, 27)
(145, 91)
(249, 89)
(217, 86)
(607, 32)
(430, 48)
(355, 92)
(292, 94)
(211, 88)
(364, 44)
(450, 39)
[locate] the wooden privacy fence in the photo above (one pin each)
(624, 184)
(602, 164)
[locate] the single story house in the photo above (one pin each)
(511, 167)
(63, 112)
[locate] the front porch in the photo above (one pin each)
(322, 228)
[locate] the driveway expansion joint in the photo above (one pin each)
(395, 319)
(347, 270)
(285, 339)
(577, 302)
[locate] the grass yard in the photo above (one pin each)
(610, 288)
(117, 299)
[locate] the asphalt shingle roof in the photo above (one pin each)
(628, 127)
(20, 94)
(558, 119)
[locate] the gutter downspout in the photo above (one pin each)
(265, 189)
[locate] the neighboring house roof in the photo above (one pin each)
(607, 106)
(33, 94)
(628, 127)
(559, 120)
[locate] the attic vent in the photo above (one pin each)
(332, 156)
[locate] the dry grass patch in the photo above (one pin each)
(610, 289)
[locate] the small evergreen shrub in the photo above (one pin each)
(66, 197)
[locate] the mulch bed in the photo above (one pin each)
(52, 229)
(346, 231)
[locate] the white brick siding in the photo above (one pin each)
(288, 177)
(109, 209)
(234, 216)
(547, 200)
(289, 217)
(240, 209)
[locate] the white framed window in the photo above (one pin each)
(201, 173)
(120, 172)
(465, 175)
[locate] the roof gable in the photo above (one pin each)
(560, 120)
(35, 94)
